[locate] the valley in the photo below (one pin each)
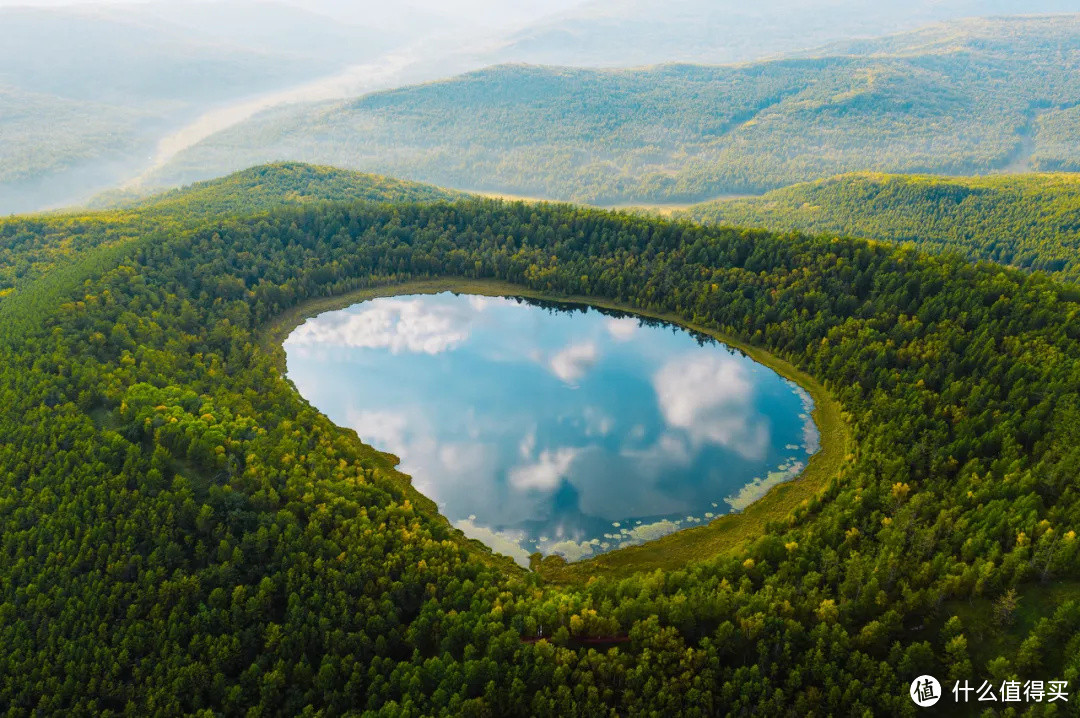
(919, 102)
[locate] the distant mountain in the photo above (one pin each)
(1030, 221)
(156, 77)
(964, 97)
(87, 91)
(609, 33)
(277, 28)
(45, 133)
(152, 55)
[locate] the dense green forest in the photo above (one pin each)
(955, 98)
(30, 246)
(182, 533)
(1030, 221)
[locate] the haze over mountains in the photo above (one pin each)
(87, 91)
(609, 33)
(969, 96)
(95, 95)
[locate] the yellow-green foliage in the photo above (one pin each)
(30, 246)
(1030, 221)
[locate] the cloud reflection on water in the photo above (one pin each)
(710, 397)
(570, 434)
(400, 325)
(571, 364)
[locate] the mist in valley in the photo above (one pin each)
(97, 95)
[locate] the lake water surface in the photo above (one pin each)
(554, 428)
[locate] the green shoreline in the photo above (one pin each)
(724, 535)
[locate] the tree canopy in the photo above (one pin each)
(1028, 220)
(181, 533)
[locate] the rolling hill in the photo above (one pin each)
(1029, 221)
(265, 187)
(958, 98)
(31, 246)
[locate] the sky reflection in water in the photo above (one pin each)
(558, 430)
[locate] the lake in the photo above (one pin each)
(555, 428)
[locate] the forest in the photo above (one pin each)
(967, 97)
(31, 246)
(181, 533)
(1025, 220)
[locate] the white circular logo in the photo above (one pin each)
(925, 691)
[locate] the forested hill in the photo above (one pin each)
(266, 186)
(1030, 221)
(180, 533)
(30, 246)
(963, 97)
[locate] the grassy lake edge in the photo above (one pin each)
(725, 534)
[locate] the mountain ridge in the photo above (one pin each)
(684, 132)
